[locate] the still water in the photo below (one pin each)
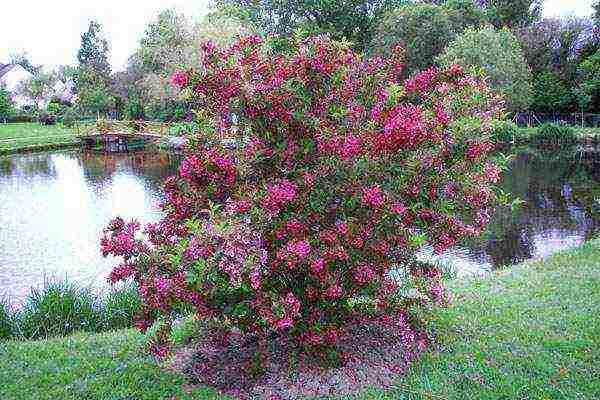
(54, 205)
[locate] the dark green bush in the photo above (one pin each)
(6, 320)
(505, 131)
(555, 133)
(120, 307)
(58, 308)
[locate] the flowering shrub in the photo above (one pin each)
(307, 219)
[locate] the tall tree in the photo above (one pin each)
(94, 50)
(93, 75)
(596, 15)
(353, 20)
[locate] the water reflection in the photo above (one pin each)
(561, 194)
(53, 207)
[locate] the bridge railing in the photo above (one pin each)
(114, 126)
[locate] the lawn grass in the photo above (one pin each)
(528, 332)
(30, 136)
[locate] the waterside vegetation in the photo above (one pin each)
(525, 332)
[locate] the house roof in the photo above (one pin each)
(4, 68)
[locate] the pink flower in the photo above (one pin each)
(284, 323)
(334, 292)
(317, 265)
(372, 196)
(180, 79)
(399, 208)
(342, 228)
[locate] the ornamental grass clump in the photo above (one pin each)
(305, 222)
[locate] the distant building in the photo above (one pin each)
(10, 76)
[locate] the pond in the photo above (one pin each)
(54, 205)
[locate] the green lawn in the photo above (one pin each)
(528, 332)
(23, 136)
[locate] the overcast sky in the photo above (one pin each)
(50, 31)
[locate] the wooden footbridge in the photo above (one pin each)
(120, 136)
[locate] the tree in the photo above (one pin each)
(169, 44)
(588, 84)
(499, 54)
(513, 13)
(550, 93)
(353, 20)
(22, 59)
(94, 50)
(424, 30)
(596, 7)
(93, 73)
(38, 88)
(7, 106)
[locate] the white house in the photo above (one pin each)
(10, 76)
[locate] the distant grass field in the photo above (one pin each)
(528, 332)
(23, 136)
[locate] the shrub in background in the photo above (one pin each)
(588, 87)
(423, 30)
(6, 320)
(505, 131)
(550, 94)
(47, 119)
(555, 134)
(309, 225)
(499, 54)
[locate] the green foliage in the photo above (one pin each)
(93, 75)
(184, 128)
(464, 14)
(7, 107)
(6, 320)
(555, 134)
(60, 308)
(513, 13)
(550, 94)
(57, 308)
(499, 54)
(504, 131)
(588, 87)
(423, 30)
(120, 307)
(38, 87)
(351, 20)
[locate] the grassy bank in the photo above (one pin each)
(16, 137)
(529, 332)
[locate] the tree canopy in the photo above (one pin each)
(353, 20)
(499, 54)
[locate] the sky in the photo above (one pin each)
(50, 31)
